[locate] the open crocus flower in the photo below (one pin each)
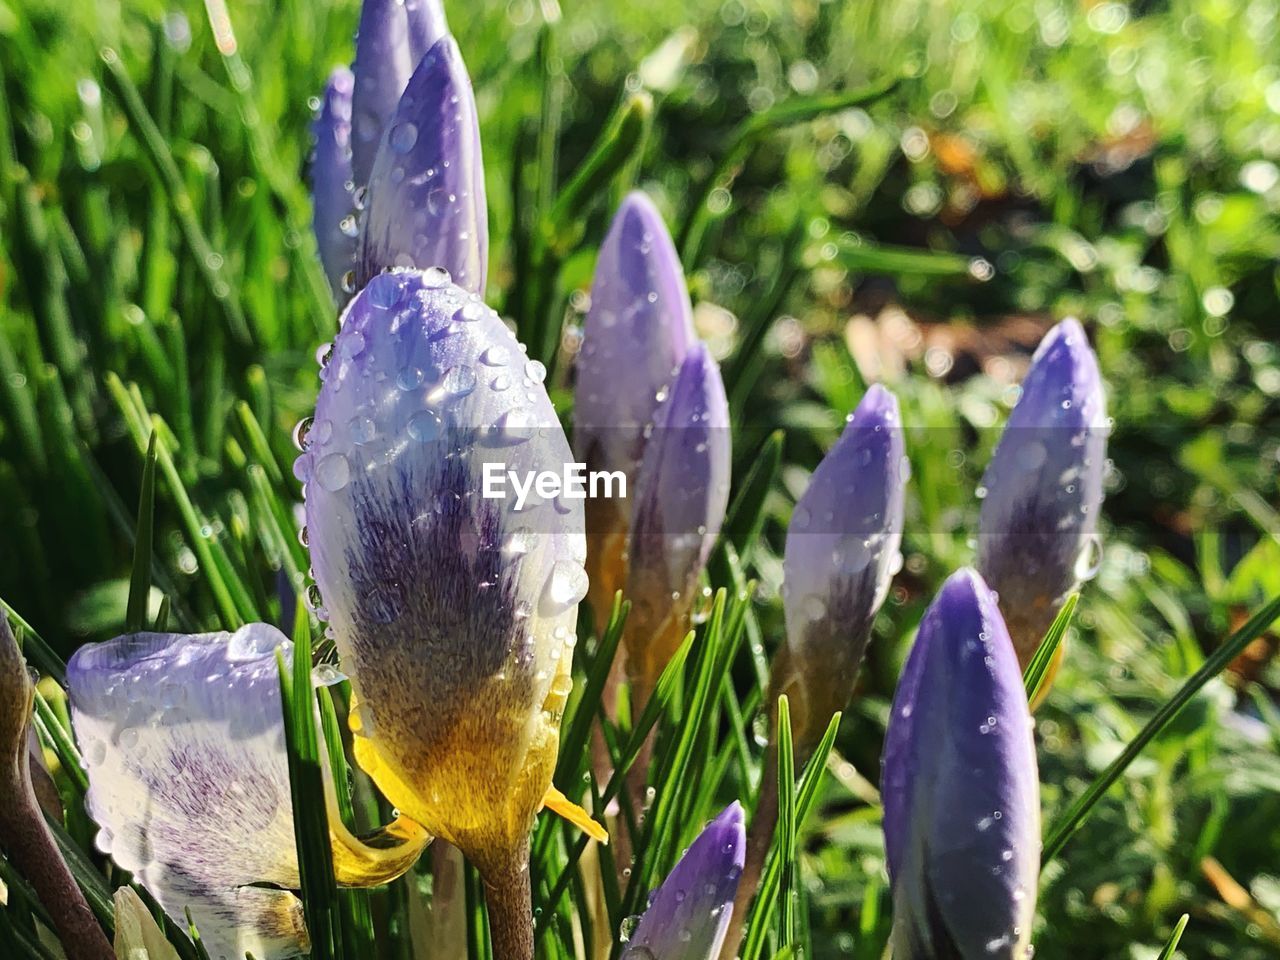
(396, 174)
(960, 787)
(1044, 487)
(637, 332)
(842, 550)
(682, 490)
(453, 610)
(689, 914)
(183, 742)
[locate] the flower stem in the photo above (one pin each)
(508, 896)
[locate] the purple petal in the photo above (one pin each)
(960, 786)
(681, 490)
(637, 332)
(453, 612)
(426, 202)
(333, 217)
(842, 551)
(1044, 486)
(689, 914)
(183, 742)
(393, 36)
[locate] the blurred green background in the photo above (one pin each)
(1113, 161)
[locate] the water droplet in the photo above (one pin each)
(424, 426)
(362, 429)
(403, 136)
(434, 277)
(348, 226)
(301, 431)
(566, 585)
(535, 371)
(333, 472)
(458, 381)
(495, 356)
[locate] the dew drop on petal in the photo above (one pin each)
(333, 472)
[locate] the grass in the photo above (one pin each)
(964, 173)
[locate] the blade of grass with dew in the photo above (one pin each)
(1034, 675)
(320, 902)
(140, 579)
(1076, 814)
(806, 796)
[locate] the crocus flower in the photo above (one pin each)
(842, 550)
(682, 489)
(1043, 488)
(25, 838)
(453, 610)
(961, 801)
(637, 332)
(396, 174)
(183, 742)
(689, 914)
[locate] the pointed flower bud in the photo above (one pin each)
(842, 550)
(688, 915)
(426, 202)
(394, 35)
(637, 332)
(333, 217)
(1043, 488)
(682, 490)
(960, 786)
(452, 598)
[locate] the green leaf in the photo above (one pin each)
(1034, 675)
(1172, 943)
(320, 901)
(786, 831)
(140, 580)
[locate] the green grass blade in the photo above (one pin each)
(320, 900)
(786, 831)
(1172, 944)
(1070, 821)
(1034, 675)
(140, 579)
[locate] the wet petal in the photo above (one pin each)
(333, 217)
(960, 786)
(689, 914)
(1044, 487)
(189, 781)
(454, 613)
(636, 334)
(393, 37)
(681, 493)
(426, 201)
(842, 551)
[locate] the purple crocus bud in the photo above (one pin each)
(637, 332)
(689, 914)
(183, 741)
(450, 571)
(842, 550)
(393, 36)
(426, 202)
(1043, 488)
(681, 492)
(333, 217)
(960, 786)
